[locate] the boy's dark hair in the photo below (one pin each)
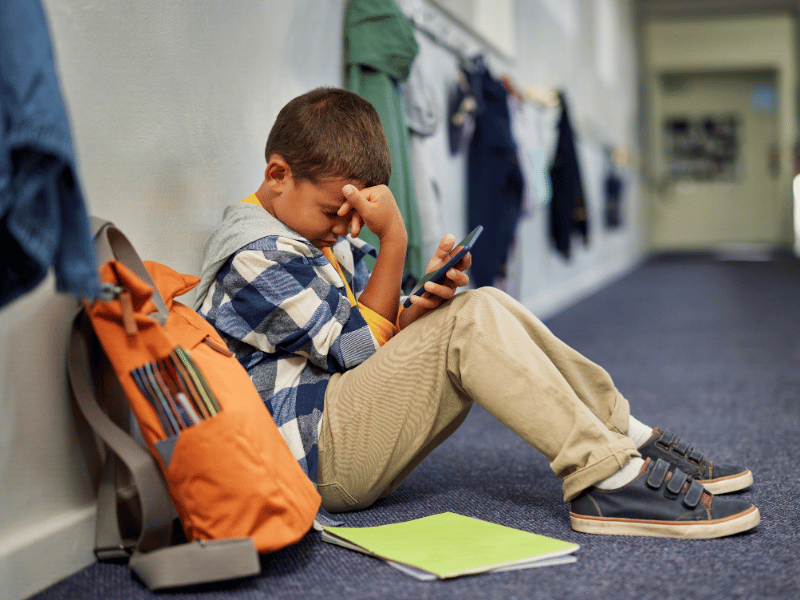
(331, 132)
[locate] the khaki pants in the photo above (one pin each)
(383, 417)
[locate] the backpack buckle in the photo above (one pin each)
(118, 553)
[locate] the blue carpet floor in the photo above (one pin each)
(707, 348)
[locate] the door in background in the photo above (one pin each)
(715, 160)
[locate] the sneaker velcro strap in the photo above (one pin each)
(656, 478)
(681, 447)
(676, 482)
(695, 456)
(694, 494)
(666, 438)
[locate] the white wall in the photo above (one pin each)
(171, 103)
(587, 49)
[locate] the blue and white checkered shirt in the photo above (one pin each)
(283, 310)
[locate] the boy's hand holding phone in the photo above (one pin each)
(437, 292)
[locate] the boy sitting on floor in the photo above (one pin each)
(362, 394)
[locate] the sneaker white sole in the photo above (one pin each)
(732, 483)
(694, 530)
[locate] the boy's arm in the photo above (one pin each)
(378, 209)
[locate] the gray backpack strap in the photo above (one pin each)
(157, 511)
(110, 242)
(158, 564)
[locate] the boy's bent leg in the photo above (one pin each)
(383, 417)
(660, 500)
(441, 436)
(506, 360)
(595, 388)
(590, 382)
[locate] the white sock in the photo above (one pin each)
(638, 431)
(622, 477)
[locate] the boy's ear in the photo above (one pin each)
(278, 174)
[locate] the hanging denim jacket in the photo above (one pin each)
(43, 220)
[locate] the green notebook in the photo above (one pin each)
(450, 545)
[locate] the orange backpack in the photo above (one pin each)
(227, 470)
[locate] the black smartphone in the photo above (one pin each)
(439, 274)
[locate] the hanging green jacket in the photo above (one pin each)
(379, 49)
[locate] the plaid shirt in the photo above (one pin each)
(282, 308)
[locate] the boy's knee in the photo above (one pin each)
(495, 293)
(469, 309)
(476, 299)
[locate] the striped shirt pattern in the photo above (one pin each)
(283, 310)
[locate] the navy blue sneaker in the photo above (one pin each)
(717, 478)
(662, 502)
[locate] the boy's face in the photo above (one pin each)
(310, 209)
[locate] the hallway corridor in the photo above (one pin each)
(708, 348)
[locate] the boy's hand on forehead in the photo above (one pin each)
(356, 221)
(376, 208)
